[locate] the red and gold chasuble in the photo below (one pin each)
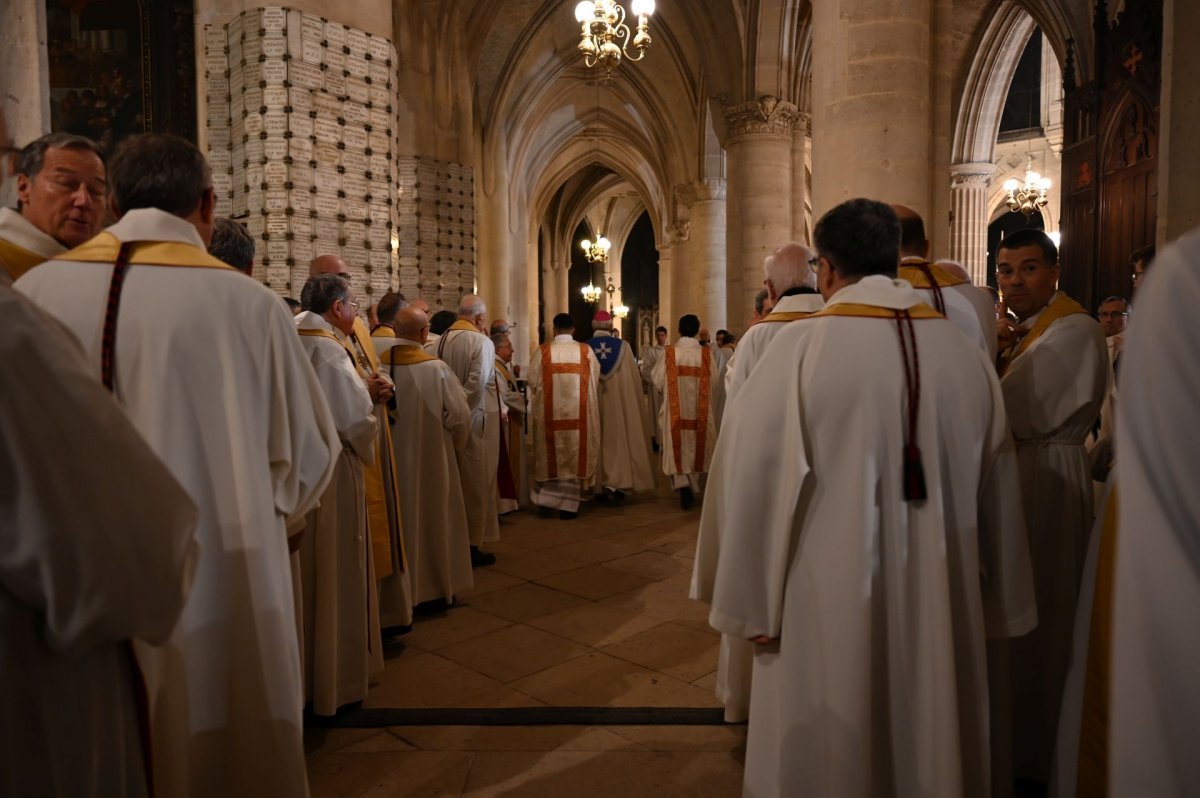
(555, 425)
(698, 425)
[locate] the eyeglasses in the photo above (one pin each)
(814, 264)
(1112, 314)
(352, 304)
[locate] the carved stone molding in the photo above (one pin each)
(678, 232)
(971, 175)
(766, 115)
(700, 191)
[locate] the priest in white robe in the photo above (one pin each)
(944, 285)
(383, 492)
(687, 378)
(624, 445)
(1051, 408)
(869, 541)
(97, 549)
(432, 423)
(244, 428)
(470, 354)
(791, 284)
(342, 645)
(651, 357)
(61, 194)
(1155, 695)
(565, 415)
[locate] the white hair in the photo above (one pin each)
(955, 268)
(787, 268)
(471, 306)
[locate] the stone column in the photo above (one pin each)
(666, 269)
(681, 298)
(1179, 173)
(871, 101)
(969, 183)
(705, 200)
(801, 148)
(24, 77)
(759, 153)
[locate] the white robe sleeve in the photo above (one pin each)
(1061, 375)
(456, 415)
(348, 398)
(759, 469)
(302, 439)
(97, 533)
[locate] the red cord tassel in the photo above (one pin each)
(914, 474)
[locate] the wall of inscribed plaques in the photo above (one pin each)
(302, 141)
(436, 223)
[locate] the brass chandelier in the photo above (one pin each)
(604, 26)
(1029, 196)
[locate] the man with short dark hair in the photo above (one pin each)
(762, 306)
(342, 645)
(1140, 261)
(687, 378)
(565, 416)
(386, 310)
(61, 192)
(1053, 371)
(245, 429)
(861, 536)
(233, 244)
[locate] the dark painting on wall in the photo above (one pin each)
(120, 67)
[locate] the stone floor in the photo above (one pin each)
(588, 612)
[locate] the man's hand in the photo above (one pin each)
(380, 388)
(763, 640)
(1008, 332)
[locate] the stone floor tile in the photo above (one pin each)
(582, 774)
(599, 680)
(487, 580)
(548, 535)
(707, 682)
(597, 551)
(422, 679)
(434, 632)
(652, 565)
(531, 565)
(593, 582)
(669, 648)
(664, 601)
(508, 654)
(387, 774)
(594, 625)
(497, 697)
(320, 740)
(525, 602)
(685, 738)
(516, 738)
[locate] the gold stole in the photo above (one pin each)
(789, 316)
(504, 372)
(105, 247)
(553, 425)
(17, 260)
(1061, 307)
(405, 355)
(916, 276)
(383, 331)
(463, 324)
(856, 310)
(316, 333)
(376, 479)
(699, 424)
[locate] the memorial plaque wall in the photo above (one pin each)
(436, 223)
(302, 139)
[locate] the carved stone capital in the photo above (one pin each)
(700, 191)
(678, 232)
(971, 175)
(767, 114)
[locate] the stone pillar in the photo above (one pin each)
(24, 77)
(1179, 174)
(871, 101)
(666, 269)
(759, 152)
(706, 247)
(969, 183)
(682, 299)
(801, 148)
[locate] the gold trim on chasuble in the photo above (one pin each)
(463, 324)
(105, 247)
(17, 260)
(917, 278)
(698, 425)
(1060, 308)
(794, 315)
(405, 355)
(856, 310)
(553, 425)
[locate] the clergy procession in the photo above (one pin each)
(215, 521)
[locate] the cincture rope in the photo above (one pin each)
(914, 470)
(939, 304)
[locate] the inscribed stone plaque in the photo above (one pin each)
(275, 97)
(253, 99)
(220, 161)
(240, 205)
(380, 260)
(354, 184)
(356, 256)
(335, 59)
(236, 106)
(278, 251)
(237, 74)
(275, 173)
(253, 201)
(276, 225)
(214, 37)
(378, 212)
(251, 74)
(235, 52)
(326, 105)
(355, 161)
(218, 115)
(222, 183)
(217, 86)
(275, 123)
(335, 83)
(354, 208)
(254, 175)
(312, 27)
(253, 124)
(379, 142)
(302, 227)
(234, 29)
(378, 72)
(310, 51)
(277, 273)
(379, 236)
(357, 90)
(300, 125)
(302, 252)
(357, 41)
(327, 180)
(327, 228)
(301, 176)
(255, 225)
(275, 149)
(253, 150)
(354, 231)
(215, 63)
(300, 99)
(322, 246)
(355, 113)
(251, 50)
(335, 34)
(378, 48)
(274, 71)
(327, 131)
(306, 75)
(327, 205)
(274, 46)
(275, 200)
(273, 19)
(300, 201)
(357, 66)
(380, 96)
(326, 154)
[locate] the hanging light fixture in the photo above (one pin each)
(621, 311)
(604, 26)
(596, 251)
(1029, 196)
(591, 293)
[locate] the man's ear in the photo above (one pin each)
(113, 208)
(208, 206)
